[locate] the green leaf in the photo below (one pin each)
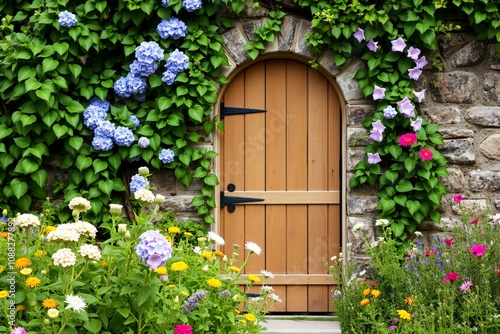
(400, 199)
(60, 130)
(83, 162)
(75, 70)
(18, 187)
(404, 186)
(76, 142)
(398, 229)
(197, 201)
(181, 90)
(49, 64)
(32, 84)
(75, 107)
(211, 180)
(93, 326)
(413, 206)
(40, 177)
(395, 151)
(410, 164)
(196, 113)
(25, 72)
(28, 165)
(164, 103)
(144, 294)
(391, 175)
(386, 205)
(106, 186)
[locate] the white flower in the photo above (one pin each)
(382, 222)
(418, 234)
(358, 227)
(27, 220)
(205, 268)
(362, 273)
(333, 258)
(159, 199)
(216, 238)
(275, 298)
(115, 209)
(75, 303)
(374, 244)
(90, 251)
(496, 218)
(267, 274)
(64, 232)
(122, 228)
(144, 195)
(143, 171)
(52, 313)
(266, 288)
(79, 204)
(253, 247)
(197, 250)
(85, 228)
(64, 257)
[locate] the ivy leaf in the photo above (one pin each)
(18, 187)
(398, 229)
(413, 206)
(211, 180)
(404, 186)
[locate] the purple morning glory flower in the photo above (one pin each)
(138, 182)
(421, 62)
(174, 28)
(416, 124)
(67, 19)
(102, 143)
(372, 45)
(390, 112)
(378, 93)
(191, 5)
(154, 249)
(398, 45)
(378, 129)
(143, 142)
(406, 108)
(420, 95)
(413, 53)
(373, 158)
(105, 129)
(143, 69)
(359, 35)
(167, 156)
(177, 62)
(414, 73)
(123, 136)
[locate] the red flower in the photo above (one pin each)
(458, 198)
(183, 329)
(474, 221)
(478, 250)
(430, 252)
(498, 271)
(448, 241)
(407, 139)
(425, 154)
(451, 276)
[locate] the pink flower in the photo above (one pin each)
(372, 45)
(373, 158)
(425, 154)
(407, 139)
(478, 250)
(183, 329)
(474, 221)
(414, 73)
(378, 93)
(359, 35)
(398, 45)
(406, 108)
(465, 287)
(372, 284)
(413, 53)
(18, 330)
(451, 276)
(498, 271)
(430, 252)
(458, 198)
(448, 241)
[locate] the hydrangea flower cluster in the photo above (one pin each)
(191, 5)
(166, 156)
(176, 63)
(192, 301)
(174, 28)
(95, 113)
(67, 19)
(138, 182)
(154, 249)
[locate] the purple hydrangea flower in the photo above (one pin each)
(413, 53)
(154, 249)
(123, 136)
(143, 69)
(174, 28)
(164, 3)
(105, 129)
(18, 330)
(372, 45)
(134, 120)
(406, 108)
(373, 158)
(169, 77)
(177, 62)
(167, 156)
(98, 102)
(192, 301)
(143, 142)
(138, 182)
(149, 52)
(398, 45)
(93, 115)
(359, 35)
(390, 112)
(121, 87)
(67, 19)
(191, 5)
(102, 143)
(135, 84)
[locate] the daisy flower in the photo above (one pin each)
(253, 247)
(75, 303)
(407, 139)
(425, 154)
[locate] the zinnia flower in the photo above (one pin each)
(253, 247)
(52, 313)
(79, 204)
(448, 241)
(18, 330)
(214, 283)
(235, 269)
(179, 266)
(267, 274)
(425, 154)
(364, 302)
(465, 286)
(409, 301)
(26, 271)
(183, 329)
(366, 292)
(4, 294)
(407, 139)
(49, 303)
(64, 257)
(474, 221)
(22, 262)
(404, 315)
(144, 195)
(207, 254)
(27, 220)
(458, 198)
(90, 251)
(216, 238)
(75, 303)
(33, 282)
(174, 230)
(478, 250)
(254, 278)
(249, 317)
(451, 276)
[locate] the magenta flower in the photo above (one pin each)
(420, 95)
(416, 124)
(425, 154)
(406, 108)
(421, 62)
(413, 53)
(373, 158)
(18, 330)
(372, 283)
(478, 250)
(465, 286)
(407, 139)
(448, 241)
(378, 93)
(359, 35)
(458, 198)
(474, 221)
(372, 45)
(451, 276)
(391, 328)
(498, 271)
(414, 73)
(183, 329)
(398, 45)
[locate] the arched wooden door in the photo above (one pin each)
(289, 156)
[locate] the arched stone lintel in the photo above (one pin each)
(292, 39)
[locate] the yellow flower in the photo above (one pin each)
(169, 238)
(2, 269)
(364, 302)
(104, 263)
(409, 301)
(243, 321)
(40, 253)
(179, 266)
(184, 293)
(49, 303)
(161, 270)
(366, 292)
(254, 278)
(188, 234)
(237, 311)
(214, 283)
(4, 294)
(375, 293)
(174, 230)
(219, 253)
(404, 315)
(53, 313)
(33, 282)
(5, 235)
(235, 269)
(249, 317)
(171, 286)
(48, 229)
(22, 263)
(26, 271)
(20, 308)
(207, 254)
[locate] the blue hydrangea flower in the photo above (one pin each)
(93, 116)
(134, 120)
(177, 62)
(192, 301)
(135, 84)
(105, 129)
(174, 28)
(390, 112)
(149, 52)
(191, 5)
(98, 102)
(154, 249)
(121, 87)
(143, 142)
(67, 19)
(167, 156)
(102, 143)
(123, 136)
(143, 69)
(169, 77)
(164, 3)
(138, 182)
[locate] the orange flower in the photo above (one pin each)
(366, 292)
(20, 308)
(5, 235)
(364, 302)
(49, 303)
(219, 253)
(33, 282)
(409, 301)
(22, 263)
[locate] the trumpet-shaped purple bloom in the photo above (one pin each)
(67, 19)
(378, 129)
(373, 158)
(123, 136)
(416, 124)
(378, 126)
(102, 143)
(174, 28)
(372, 45)
(359, 35)
(390, 112)
(414, 73)
(191, 5)
(421, 62)
(149, 52)
(167, 156)
(398, 45)
(378, 93)
(406, 108)
(413, 53)
(420, 95)
(154, 249)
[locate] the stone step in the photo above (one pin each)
(300, 325)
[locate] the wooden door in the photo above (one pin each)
(290, 157)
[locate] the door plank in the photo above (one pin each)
(289, 197)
